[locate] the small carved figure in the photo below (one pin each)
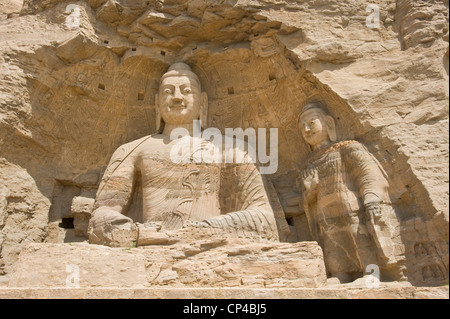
(346, 201)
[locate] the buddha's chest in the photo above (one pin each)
(180, 179)
(189, 190)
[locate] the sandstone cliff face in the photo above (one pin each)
(78, 81)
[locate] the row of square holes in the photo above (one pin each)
(101, 86)
(230, 90)
(163, 53)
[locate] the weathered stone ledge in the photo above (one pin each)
(226, 293)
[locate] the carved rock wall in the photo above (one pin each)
(70, 96)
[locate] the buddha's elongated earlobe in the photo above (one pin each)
(331, 128)
(204, 110)
(158, 114)
(299, 130)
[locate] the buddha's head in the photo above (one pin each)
(180, 99)
(317, 126)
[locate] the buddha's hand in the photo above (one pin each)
(109, 227)
(106, 216)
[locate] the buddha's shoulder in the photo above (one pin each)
(134, 147)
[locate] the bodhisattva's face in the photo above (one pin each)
(313, 128)
(179, 100)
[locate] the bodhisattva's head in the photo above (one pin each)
(180, 99)
(317, 127)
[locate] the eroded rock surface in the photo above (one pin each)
(203, 263)
(74, 88)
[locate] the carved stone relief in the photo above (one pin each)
(71, 98)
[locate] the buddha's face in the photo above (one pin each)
(313, 128)
(179, 99)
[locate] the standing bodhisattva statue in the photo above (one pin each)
(221, 196)
(346, 201)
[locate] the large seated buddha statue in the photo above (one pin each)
(217, 195)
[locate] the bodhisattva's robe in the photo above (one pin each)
(338, 185)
